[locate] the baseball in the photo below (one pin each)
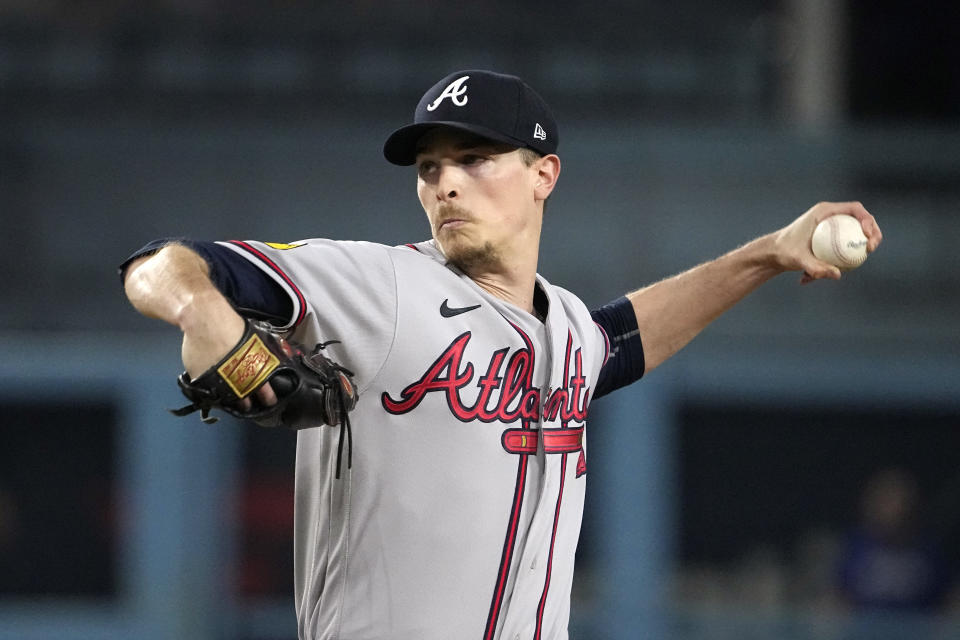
(840, 241)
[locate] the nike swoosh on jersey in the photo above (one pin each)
(448, 312)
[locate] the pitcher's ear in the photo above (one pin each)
(548, 171)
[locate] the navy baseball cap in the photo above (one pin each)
(493, 105)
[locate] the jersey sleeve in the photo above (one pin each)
(251, 290)
(625, 363)
(339, 291)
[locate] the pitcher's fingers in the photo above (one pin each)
(266, 395)
(872, 230)
(817, 269)
(867, 222)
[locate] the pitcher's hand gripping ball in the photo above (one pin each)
(840, 241)
(311, 389)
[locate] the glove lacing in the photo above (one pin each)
(344, 426)
(343, 411)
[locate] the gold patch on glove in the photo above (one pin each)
(248, 367)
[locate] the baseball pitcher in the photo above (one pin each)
(440, 389)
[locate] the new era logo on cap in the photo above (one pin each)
(493, 105)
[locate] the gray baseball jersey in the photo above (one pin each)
(460, 514)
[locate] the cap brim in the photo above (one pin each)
(401, 147)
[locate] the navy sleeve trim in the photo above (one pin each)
(251, 291)
(297, 301)
(150, 248)
(625, 363)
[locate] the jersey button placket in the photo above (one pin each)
(542, 454)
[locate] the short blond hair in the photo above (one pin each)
(529, 156)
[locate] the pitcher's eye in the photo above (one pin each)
(425, 167)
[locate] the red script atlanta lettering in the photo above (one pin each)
(518, 398)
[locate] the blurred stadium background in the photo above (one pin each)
(724, 489)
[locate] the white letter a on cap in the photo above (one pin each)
(456, 91)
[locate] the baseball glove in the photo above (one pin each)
(311, 389)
